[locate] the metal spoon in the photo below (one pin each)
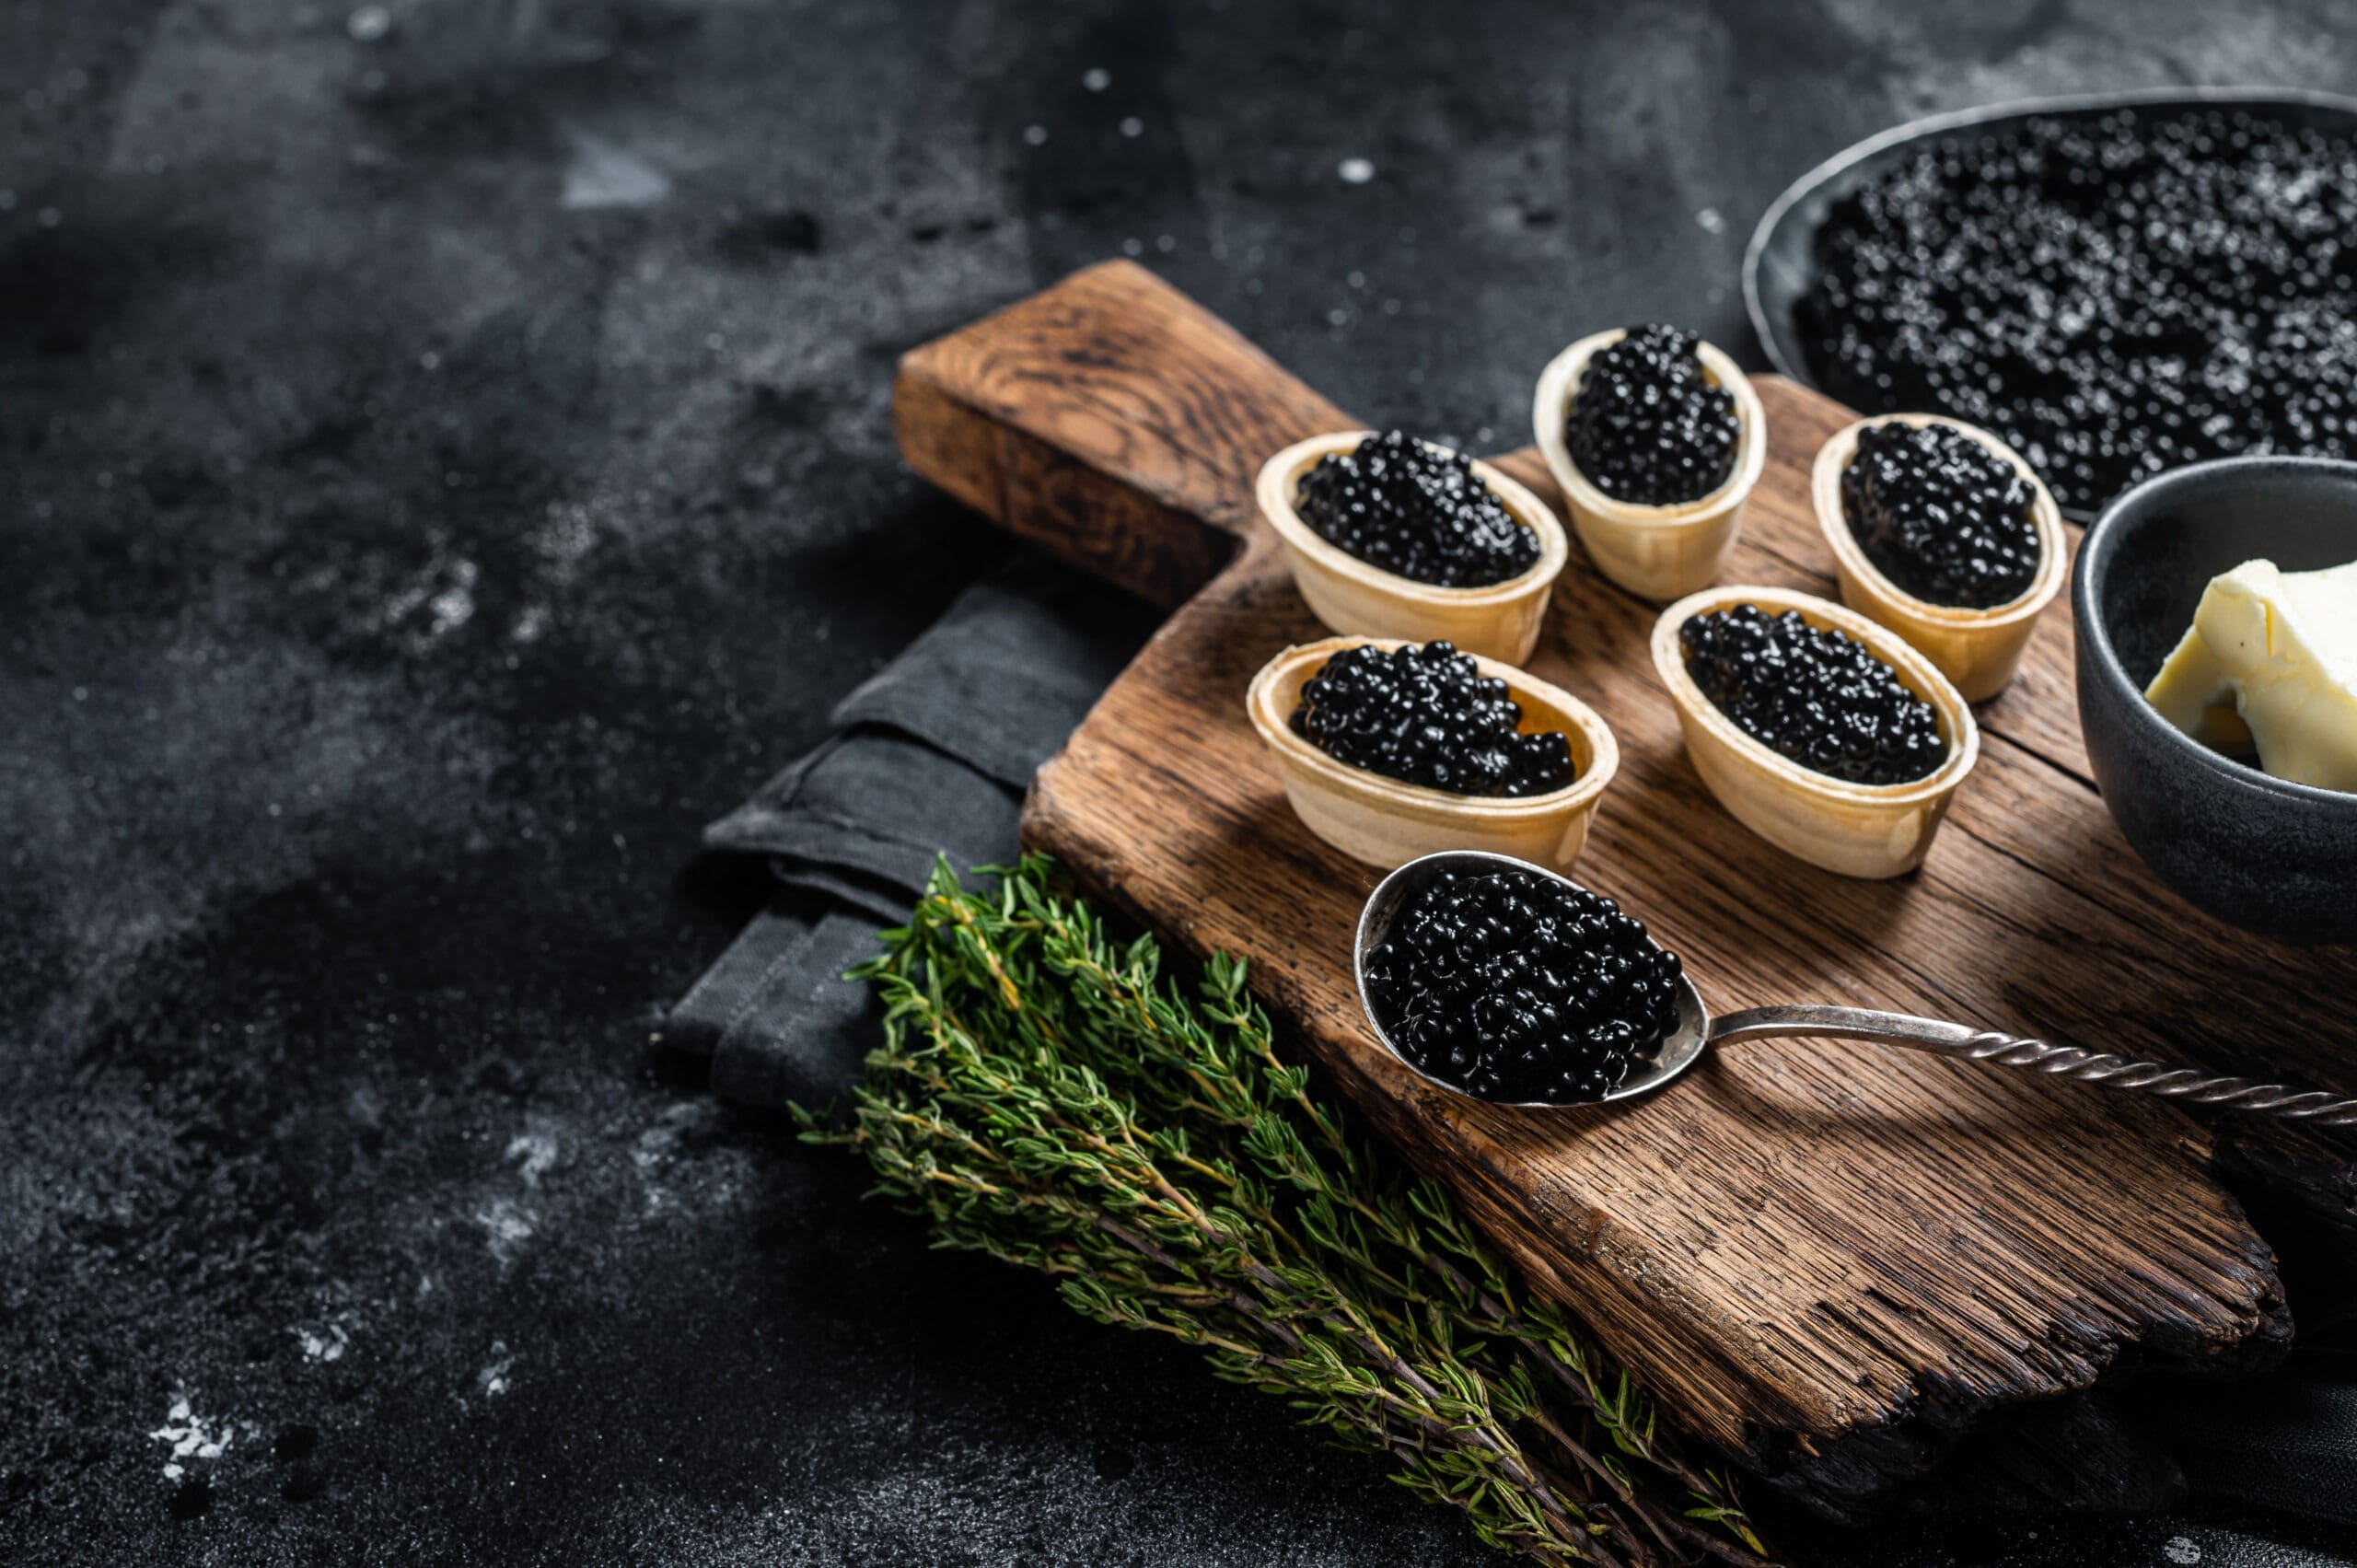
(1697, 1031)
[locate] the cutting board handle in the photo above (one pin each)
(1111, 419)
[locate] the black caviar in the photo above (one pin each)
(1647, 427)
(1426, 714)
(1513, 986)
(2112, 296)
(1398, 504)
(1820, 698)
(1942, 516)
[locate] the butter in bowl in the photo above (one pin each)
(2217, 676)
(1390, 750)
(2268, 671)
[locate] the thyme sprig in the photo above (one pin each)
(1042, 1095)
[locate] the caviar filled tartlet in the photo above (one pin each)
(1518, 988)
(1941, 533)
(1822, 732)
(1389, 536)
(1390, 749)
(1655, 440)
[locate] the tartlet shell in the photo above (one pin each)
(1977, 650)
(1653, 551)
(1865, 830)
(1386, 822)
(1501, 621)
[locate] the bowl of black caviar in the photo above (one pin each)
(1822, 732)
(1390, 749)
(1655, 439)
(1390, 536)
(2116, 284)
(1942, 533)
(2249, 812)
(1495, 978)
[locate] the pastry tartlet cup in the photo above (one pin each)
(1355, 598)
(1867, 831)
(1977, 650)
(1386, 823)
(1653, 551)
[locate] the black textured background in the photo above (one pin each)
(443, 462)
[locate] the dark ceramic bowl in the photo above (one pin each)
(2267, 856)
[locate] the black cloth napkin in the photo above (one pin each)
(932, 756)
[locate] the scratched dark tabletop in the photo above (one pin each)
(444, 459)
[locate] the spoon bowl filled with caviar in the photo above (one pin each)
(1822, 732)
(1942, 533)
(1508, 982)
(1389, 536)
(1390, 749)
(1656, 438)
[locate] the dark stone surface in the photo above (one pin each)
(438, 470)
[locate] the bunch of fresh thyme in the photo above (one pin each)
(1042, 1096)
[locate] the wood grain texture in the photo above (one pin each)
(1828, 1258)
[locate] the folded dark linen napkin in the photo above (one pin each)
(931, 756)
(2286, 1441)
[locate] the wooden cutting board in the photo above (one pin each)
(1828, 1258)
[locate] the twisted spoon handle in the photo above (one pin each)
(2313, 1107)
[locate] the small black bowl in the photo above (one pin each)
(2259, 853)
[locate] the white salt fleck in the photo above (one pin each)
(507, 1226)
(532, 1153)
(1096, 78)
(1710, 221)
(1036, 135)
(1131, 126)
(1132, 247)
(2180, 1550)
(327, 1343)
(492, 1378)
(192, 1437)
(1355, 170)
(369, 24)
(603, 175)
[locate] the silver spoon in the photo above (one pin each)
(1697, 1031)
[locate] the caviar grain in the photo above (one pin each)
(1820, 698)
(1942, 516)
(1426, 714)
(1646, 426)
(2112, 296)
(1416, 512)
(1513, 986)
